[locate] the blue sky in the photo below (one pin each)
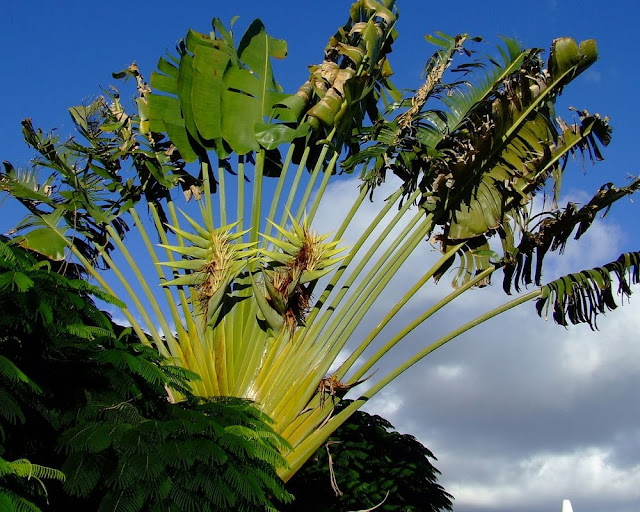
(494, 456)
(60, 54)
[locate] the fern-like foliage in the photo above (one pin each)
(21, 481)
(10, 500)
(31, 305)
(212, 455)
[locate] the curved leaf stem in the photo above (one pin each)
(344, 288)
(102, 282)
(168, 334)
(312, 180)
(294, 188)
(419, 320)
(344, 367)
(275, 200)
(311, 443)
(349, 316)
(376, 280)
(352, 253)
(222, 195)
(184, 300)
(354, 209)
(256, 204)
(328, 172)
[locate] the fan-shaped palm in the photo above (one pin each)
(245, 307)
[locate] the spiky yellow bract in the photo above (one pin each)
(303, 249)
(214, 258)
(303, 257)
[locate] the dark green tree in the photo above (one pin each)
(367, 463)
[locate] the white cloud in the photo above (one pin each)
(386, 404)
(450, 371)
(541, 481)
(612, 352)
(595, 77)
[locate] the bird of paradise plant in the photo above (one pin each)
(246, 293)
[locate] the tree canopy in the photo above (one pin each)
(366, 464)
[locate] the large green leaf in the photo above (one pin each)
(218, 93)
(242, 108)
(254, 50)
(48, 240)
(208, 67)
(270, 136)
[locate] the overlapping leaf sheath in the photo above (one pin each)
(243, 304)
(215, 257)
(301, 259)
